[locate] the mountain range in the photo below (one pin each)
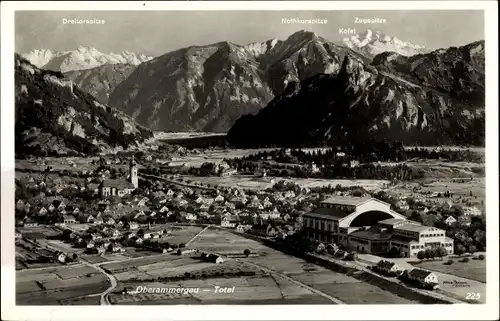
(207, 88)
(203, 88)
(370, 44)
(54, 117)
(80, 59)
(426, 99)
(386, 81)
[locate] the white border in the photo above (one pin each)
(488, 311)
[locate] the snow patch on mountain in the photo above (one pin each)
(372, 43)
(80, 59)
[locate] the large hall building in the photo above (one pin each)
(368, 225)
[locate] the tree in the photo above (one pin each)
(472, 249)
(432, 254)
(75, 256)
(421, 255)
(440, 252)
(246, 252)
(415, 216)
(182, 245)
(459, 249)
(427, 254)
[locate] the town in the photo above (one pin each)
(120, 209)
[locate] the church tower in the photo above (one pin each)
(133, 173)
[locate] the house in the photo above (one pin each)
(213, 258)
(139, 241)
(403, 205)
(264, 230)
(229, 205)
(61, 257)
(170, 193)
(423, 277)
(191, 217)
(219, 199)
(230, 221)
(28, 222)
(42, 211)
(69, 219)
(86, 219)
(129, 235)
(267, 204)
(388, 267)
(95, 236)
(243, 228)
(255, 204)
(238, 201)
(147, 236)
(110, 221)
(133, 226)
(464, 220)
(164, 209)
(18, 235)
(139, 215)
(116, 233)
(450, 220)
(471, 211)
(90, 244)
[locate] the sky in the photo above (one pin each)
(158, 32)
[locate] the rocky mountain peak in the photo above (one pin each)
(352, 71)
(302, 35)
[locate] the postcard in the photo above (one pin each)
(250, 160)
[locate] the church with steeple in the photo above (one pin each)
(121, 187)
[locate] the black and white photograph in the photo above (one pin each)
(251, 157)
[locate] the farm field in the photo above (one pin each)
(38, 232)
(265, 289)
(30, 256)
(317, 277)
(255, 183)
(172, 265)
(220, 241)
(473, 270)
(460, 189)
(52, 286)
(181, 234)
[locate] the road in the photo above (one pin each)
(182, 184)
(265, 269)
(197, 235)
(111, 278)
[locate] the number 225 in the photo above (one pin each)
(473, 296)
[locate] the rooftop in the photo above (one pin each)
(371, 235)
(347, 200)
(392, 221)
(412, 227)
(327, 213)
(117, 183)
(419, 273)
